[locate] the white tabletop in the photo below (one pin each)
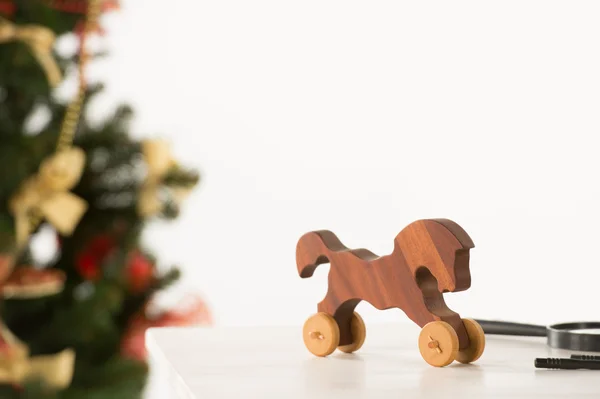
(272, 362)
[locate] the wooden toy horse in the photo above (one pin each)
(430, 257)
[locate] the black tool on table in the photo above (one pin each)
(561, 336)
(566, 364)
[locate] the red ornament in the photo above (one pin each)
(139, 272)
(102, 246)
(133, 345)
(88, 263)
(87, 266)
(7, 8)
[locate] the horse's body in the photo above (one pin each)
(430, 257)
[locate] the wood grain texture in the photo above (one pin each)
(430, 257)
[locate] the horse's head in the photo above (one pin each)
(442, 247)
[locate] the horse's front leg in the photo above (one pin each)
(431, 307)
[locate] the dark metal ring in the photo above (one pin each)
(561, 336)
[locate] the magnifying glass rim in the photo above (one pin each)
(562, 336)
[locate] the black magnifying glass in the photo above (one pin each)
(576, 336)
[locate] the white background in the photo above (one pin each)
(361, 117)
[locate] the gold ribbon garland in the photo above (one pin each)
(46, 196)
(40, 40)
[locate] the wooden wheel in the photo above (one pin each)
(359, 333)
(438, 343)
(321, 334)
(477, 342)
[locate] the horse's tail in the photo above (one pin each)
(314, 249)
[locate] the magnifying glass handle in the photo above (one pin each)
(508, 328)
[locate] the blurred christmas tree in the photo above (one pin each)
(74, 328)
